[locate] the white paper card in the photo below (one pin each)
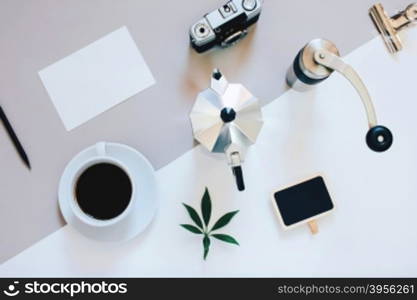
(96, 78)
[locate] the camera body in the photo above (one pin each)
(225, 26)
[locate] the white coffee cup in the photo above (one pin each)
(101, 157)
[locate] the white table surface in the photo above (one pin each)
(372, 231)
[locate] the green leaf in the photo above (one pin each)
(225, 238)
(192, 228)
(194, 215)
(206, 207)
(206, 245)
(223, 221)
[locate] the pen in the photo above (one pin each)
(14, 138)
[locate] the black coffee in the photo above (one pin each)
(103, 191)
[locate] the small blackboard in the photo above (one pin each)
(303, 201)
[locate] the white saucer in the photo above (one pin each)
(139, 217)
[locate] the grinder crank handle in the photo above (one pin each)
(378, 138)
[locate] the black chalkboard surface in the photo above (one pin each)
(303, 201)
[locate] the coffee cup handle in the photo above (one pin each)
(101, 148)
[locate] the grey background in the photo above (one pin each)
(36, 33)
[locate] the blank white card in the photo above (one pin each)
(96, 78)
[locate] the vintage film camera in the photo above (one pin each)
(225, 26)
